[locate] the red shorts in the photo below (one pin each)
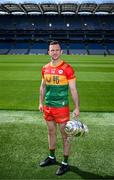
(59, 115)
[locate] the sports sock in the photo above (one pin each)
(65, 161)
(52, 153)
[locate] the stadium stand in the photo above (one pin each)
(95, 48)
(27, 28)
(110, 48)
(5, 47)
(77, 48)
(38, 48)
(19, 48)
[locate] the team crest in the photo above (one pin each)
(60, 71)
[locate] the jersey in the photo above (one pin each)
(57, 80)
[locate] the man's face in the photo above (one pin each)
(55, 51)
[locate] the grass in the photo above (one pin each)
(23, 139)
(20, 78)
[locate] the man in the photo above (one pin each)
(57, 76)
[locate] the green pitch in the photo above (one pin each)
(20, 78)
(23, 144)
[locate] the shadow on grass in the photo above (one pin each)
(88, 175)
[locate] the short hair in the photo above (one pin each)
(54, 43)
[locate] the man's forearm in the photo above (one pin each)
(75, 98)
(42, 95)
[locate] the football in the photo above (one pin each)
(75, 128)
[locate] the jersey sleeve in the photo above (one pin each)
(43, 73)
(70, 73)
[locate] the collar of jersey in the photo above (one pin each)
(60, 63)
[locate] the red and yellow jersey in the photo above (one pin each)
(56, 79)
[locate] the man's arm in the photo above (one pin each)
(74, 93)
(42, 95)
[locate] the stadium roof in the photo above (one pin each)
(63, 7)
